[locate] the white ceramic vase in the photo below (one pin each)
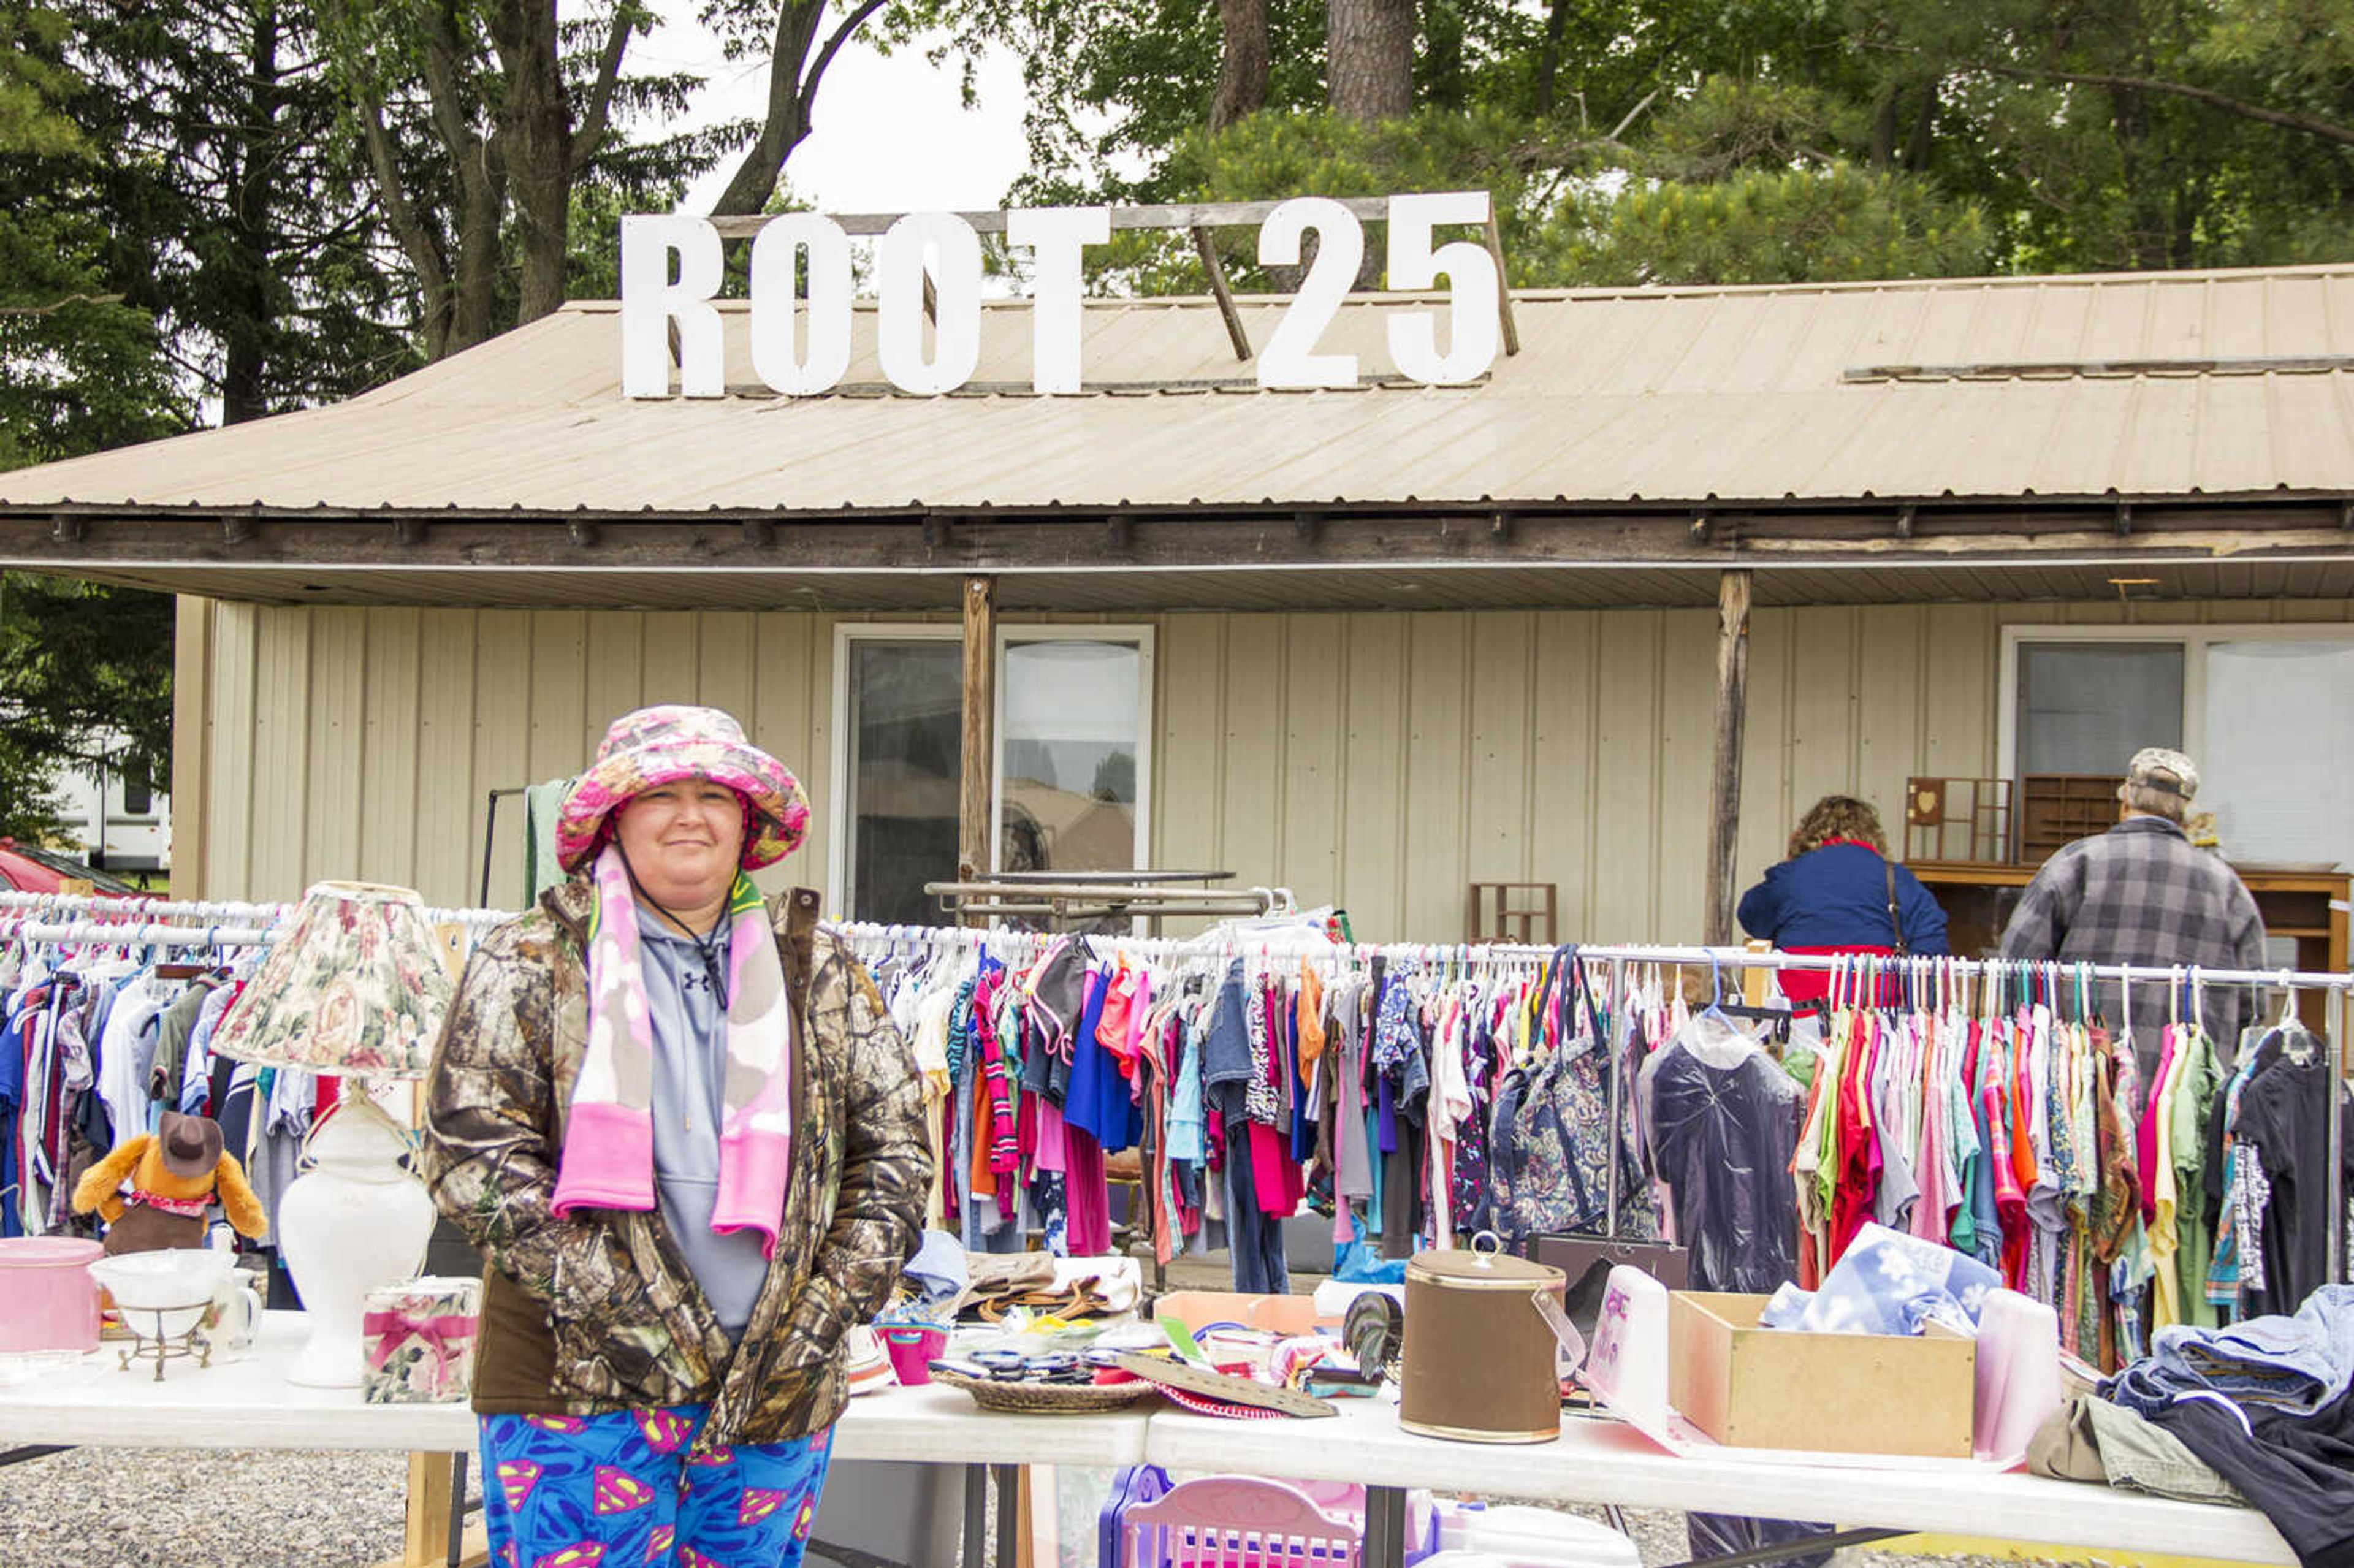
(355, 1221)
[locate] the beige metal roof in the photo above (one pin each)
(2187, 383)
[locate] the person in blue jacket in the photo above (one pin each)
(1839, 892)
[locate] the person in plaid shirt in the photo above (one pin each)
(2142, 894)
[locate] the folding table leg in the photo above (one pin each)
(976, 1516)
(1009, 1514)
(1385, 1527)
(457, 1557)
(435, 1535)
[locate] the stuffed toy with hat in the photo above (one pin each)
(153, 1190)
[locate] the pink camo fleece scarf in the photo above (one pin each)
(608, 1137)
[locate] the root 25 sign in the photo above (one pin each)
(800, 298)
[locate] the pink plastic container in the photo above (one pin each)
(911, 1350)
(52, 1302)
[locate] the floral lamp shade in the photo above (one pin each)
(354, 984)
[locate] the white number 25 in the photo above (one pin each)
(1291, 360)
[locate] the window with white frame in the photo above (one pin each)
(1070, 777)
(2266, 712)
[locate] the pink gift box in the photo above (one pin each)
(418, 1341)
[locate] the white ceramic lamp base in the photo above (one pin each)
(356, 1221)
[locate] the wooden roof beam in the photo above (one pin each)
(1168, 215)
(1503, 285)
(1198, 218)
(1208, 249)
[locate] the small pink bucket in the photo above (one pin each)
(911, 1349)
(52, 1300)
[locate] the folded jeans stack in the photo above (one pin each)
(2269, 1403)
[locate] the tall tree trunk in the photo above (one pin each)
(248, 175)
(1369, 57)
(479, 163)
(1549, 56)
(1445, 79)
(793, 78)
(1882, 153)
(473, 307)
(2147, 226)
(535, 130)
(1243, 59)
(1924, 127)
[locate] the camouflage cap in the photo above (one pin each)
(2167, 772)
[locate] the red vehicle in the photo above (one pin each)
(28, 868)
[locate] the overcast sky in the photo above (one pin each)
(890, 134)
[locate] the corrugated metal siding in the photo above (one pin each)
(1376, 760)
(364, 743)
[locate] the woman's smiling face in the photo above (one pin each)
(684, 840)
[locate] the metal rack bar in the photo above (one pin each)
(1690, 956)
(209, 909)
(138, 934)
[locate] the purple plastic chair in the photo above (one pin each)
(1236, 1521)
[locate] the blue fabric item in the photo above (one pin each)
(690, 1030)
(1187, 1138)
(2295, 1365)
(1254, 1238)
(1837, 897)
(12, 1097)
(938, 1265)
(574, 1491)
(1096, 1102)
(1889, 1283)
(1303, 1125)
(1988, 1228)
(1360, 1262)
(1226, 1047)
(1394, 1032)
(961, 1038)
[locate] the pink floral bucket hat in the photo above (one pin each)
(659, 745)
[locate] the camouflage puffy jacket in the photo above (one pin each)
(600, 1312)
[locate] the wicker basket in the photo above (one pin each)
(1046, 1398)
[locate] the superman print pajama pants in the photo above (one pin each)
(622, 1490)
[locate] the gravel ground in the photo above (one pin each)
(174, 1507)
(156, 1508)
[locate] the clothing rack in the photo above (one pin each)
(138, 936)
(1088, 898)
(1231, 945)
(163, 910)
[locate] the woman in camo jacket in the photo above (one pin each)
(689, 1145)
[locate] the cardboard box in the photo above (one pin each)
(1850, 1393)
(1197, 1310)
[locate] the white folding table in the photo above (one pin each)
(1599, 1461)
(245, 1402)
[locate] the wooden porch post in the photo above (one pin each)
(1724, 781)
(973, 816)
(192, 702)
